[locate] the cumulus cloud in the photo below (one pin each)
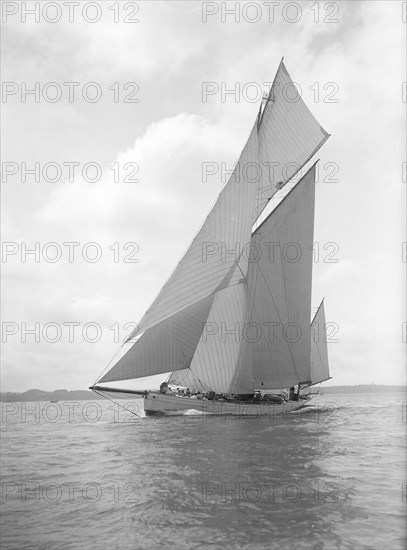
(151, 220)
(168, 134)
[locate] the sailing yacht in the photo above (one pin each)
(232, 324)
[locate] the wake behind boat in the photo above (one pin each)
(232, 323)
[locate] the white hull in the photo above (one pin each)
(162, 404)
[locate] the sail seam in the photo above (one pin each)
(285, 302)
(279, 318)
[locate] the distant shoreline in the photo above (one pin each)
(86, 395)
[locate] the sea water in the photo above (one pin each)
(89, 475)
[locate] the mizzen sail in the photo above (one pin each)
(319, 347)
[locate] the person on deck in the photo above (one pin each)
(295, 393)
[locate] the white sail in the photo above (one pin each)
(216, 246)
(319, 347)
(215, 365)
(250, 344)
(169, 345)
(279, 291)
(286, 137)
(289, 135)
(285, 134)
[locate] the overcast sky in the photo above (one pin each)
(348, 59)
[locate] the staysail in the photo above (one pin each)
(319, 347)
(216, 360)
(282, 140)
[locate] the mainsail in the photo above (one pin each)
(279, 290)
(319, 347)
(264, 342)
(211, 284)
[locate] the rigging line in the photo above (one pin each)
(316, 313)
(208, 388)
(196, 378)
(118, 404)
(108, 364)
(240, 269)
(182, 377)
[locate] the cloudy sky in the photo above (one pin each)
(148, 198)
